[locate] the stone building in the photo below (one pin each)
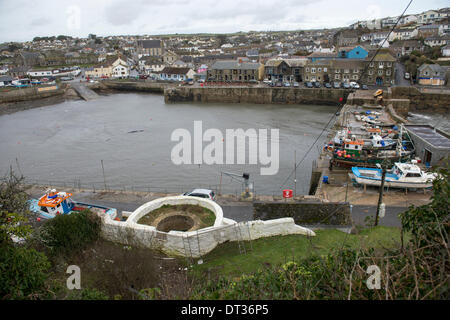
(154, 48)
(317, 71)
(235, 71)
(431, 74)
(380, 70)
(346, 70)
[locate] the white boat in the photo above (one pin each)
(402, 175)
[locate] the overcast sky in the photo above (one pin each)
(22, 20)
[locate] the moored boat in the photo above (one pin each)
(402, 175)
(54, 203)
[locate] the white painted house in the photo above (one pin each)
(446, 51)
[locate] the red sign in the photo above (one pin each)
(288, 194)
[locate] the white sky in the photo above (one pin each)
(22, 20)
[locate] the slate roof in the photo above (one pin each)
(172, 70)
(234, 65)
(148, 44)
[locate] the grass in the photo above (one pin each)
(227, 260)
(206, 216)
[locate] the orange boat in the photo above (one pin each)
(54, 203)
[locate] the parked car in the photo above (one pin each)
(317, 84)
(279, 84)
(346, 85)
(364, 87)
(286, 84)
(354, 85)
(267, 81)
(327, 85)
(201, 193)
(309, 85)
(407, 76)
(296, 84)
(143, 77)
(336, 85)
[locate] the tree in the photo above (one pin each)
(14, 210)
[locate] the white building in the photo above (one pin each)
(446, 51)
(40, 73)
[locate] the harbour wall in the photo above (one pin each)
(257, 95)
(131, 86)
(423, 99)
(31, 93)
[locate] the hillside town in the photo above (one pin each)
(364, 54)
(250, 166)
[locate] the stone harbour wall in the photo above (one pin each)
(257, 95)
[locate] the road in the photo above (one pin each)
(244, 212)
(400, 80)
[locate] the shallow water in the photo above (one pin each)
(131, 133)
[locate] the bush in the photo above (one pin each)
(88, 294)
(65, 234)
(22, 272)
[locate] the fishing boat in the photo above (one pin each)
(402, 175)
(54, 203)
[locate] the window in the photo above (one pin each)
(380, 72)
(355, 77)
(338, 70)
(388, 72)
(347, 71)
(307, 69)
(338, 77)
(371, 64)
(313, 70)
(319, 70)
(325, 69)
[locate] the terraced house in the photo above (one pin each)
(235, 71)
(317, 71)
(346, 70)
(284, 70)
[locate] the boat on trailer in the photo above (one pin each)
(54, 203)
(402, 175)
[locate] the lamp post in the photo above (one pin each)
(383, 168)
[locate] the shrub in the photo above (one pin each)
(22, 272)
(66, 234)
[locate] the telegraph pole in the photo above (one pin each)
(295, 170)
(104, 179)
(384, 165)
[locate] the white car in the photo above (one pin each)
(201, 193)
(354, 85)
